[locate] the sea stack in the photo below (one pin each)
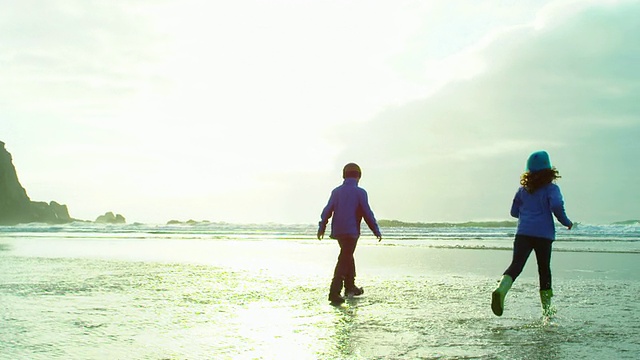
(15, 205)
(111, 218)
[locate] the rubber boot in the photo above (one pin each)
(545, 299)
(350, 288)
(334, 292)
(497, 297)
(354, 291)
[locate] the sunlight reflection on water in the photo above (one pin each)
(262, 300)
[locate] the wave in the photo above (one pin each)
(467, 224)
(493, 235)
(391, 229)
(627, 222)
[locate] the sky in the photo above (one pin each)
(246, 111)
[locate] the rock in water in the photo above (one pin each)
(110, 218)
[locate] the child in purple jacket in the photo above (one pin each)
(348, 205)
(535, 204)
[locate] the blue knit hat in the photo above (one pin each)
(539, 160)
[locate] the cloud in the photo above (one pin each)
(570, 87)
(70, 53)
(203, 106)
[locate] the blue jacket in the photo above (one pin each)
(535, 211)
(348, 205)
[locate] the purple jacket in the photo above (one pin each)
(535, 211)
(348, 204)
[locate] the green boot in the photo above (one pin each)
(545, 299)
(497, 297)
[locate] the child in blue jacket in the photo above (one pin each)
(535, 204)
(348, 205)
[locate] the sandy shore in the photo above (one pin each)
(492, 263)
(201, 299)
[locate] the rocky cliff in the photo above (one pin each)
(15, 205)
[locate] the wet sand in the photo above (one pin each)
(226, 299)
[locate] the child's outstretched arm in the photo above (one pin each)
(556, 203)
(324, 217)
(368, 215)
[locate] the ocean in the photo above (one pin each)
(228, 291)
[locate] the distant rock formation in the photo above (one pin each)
(15, 205)
(111, 218)
(188, 222)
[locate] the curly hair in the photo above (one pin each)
(532, 181)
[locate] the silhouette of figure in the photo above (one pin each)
(535, 204)
(348, 205)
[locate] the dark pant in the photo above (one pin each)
(345, 270)
(522, 247)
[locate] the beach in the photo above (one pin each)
(168, 296)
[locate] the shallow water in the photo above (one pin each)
(114, 297)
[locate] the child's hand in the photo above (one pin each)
(570, 226)
(379, 238)
(320, 234)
